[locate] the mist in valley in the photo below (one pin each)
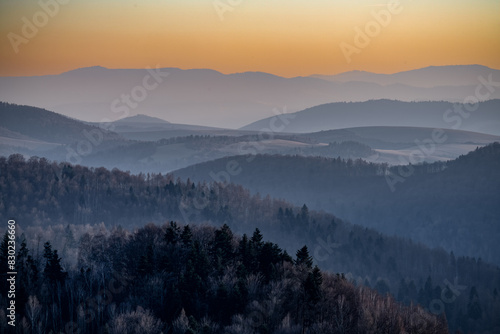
(226, 167)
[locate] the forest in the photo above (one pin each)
(443, 204)
(71, 204)
(182, 279)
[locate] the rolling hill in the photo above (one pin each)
(76, 207)
(146, 144)
(207, 97)
(485, 119)
(45, 125)
(146, 128)
(455, 205)
(36, 131)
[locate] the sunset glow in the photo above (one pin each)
(287, 38)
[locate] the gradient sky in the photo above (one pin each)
(284, 37)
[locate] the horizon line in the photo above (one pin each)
(234, 73)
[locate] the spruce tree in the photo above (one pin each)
(53, 270)
(474, 310)
(304, 258)
(186, 235)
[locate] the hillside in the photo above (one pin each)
(183, 279)
(202, 96)
(397, 137)
(147, 128)
(36, 131)
(45, 125)
(159, 146)
(55, 195)
(486, 119)
(143, 143)
(455, 205)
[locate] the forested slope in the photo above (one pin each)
(51, 201)
(179, 279)
(454, 204)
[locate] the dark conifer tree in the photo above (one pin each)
(172, 233)
(303, 258)
(4, 255)
(186, 235)
(474, 310)
(53, 270)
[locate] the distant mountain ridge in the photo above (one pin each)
(431, 76)
(454, 204)
(339, 115)
(210, 98)
(144, 144)
(141, 118)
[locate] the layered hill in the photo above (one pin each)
(45, 197)
(146, 144)
(455, 204)
(201, 96)
(485, 118)
(431, 76)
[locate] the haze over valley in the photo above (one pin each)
(237, 167)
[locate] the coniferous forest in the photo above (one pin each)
(182, 279)
(249, 167)
(204, 265)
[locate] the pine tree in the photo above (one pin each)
(474, 310)
(53, 270)
(281, 215)
(304, 214)
(269, 256)
(172, 233)
(4, 248)
(22, 268)
(47, 251)
(312, 285)
(303, 258)
(222, 247)
(256, 239)
(186, 236)
(244, 251)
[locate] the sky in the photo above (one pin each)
(284, 37)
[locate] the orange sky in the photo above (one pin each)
(288, 38)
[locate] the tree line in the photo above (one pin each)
(62, 202)
(197, 279)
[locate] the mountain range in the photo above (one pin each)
(444, 204)
(146, 144)
(410, 167)
(485, 118)
(432, 76)
(208, 97)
